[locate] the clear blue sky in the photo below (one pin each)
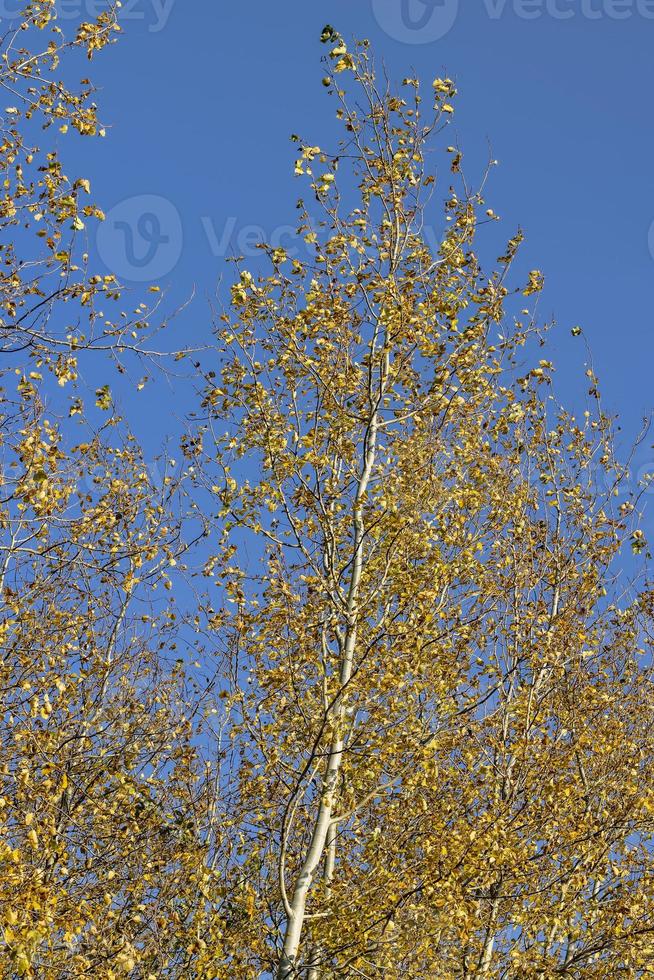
(201, 97)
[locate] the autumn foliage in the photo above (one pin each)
(360, 690)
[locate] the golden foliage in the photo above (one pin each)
(416, 740)
(443, 703)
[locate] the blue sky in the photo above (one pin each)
(200, 99)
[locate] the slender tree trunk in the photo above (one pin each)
(324, 819)
(295, 921)
(312, 972)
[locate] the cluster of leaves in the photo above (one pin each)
(52, 304)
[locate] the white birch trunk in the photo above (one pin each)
(324, 818)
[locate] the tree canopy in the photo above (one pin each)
(361, 690)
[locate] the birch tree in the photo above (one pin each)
(107, 809)
(441, 686)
